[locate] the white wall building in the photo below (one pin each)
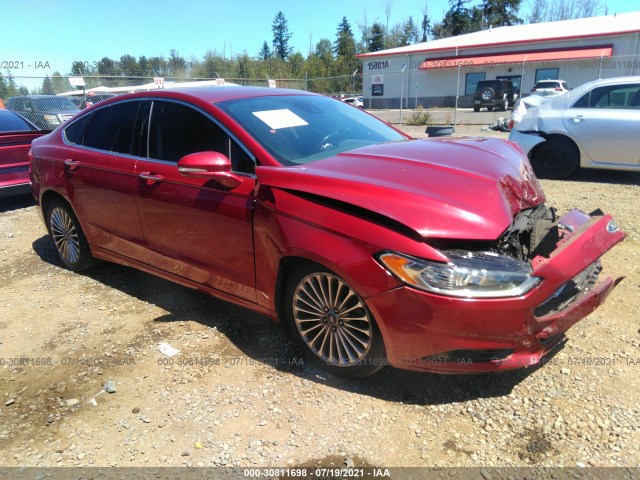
(435, 73)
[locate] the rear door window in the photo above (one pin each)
(110, 128)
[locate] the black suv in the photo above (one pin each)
(492, 94)
(45, 111)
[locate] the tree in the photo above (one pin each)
(345, 47)
(129, 66)
(345, 44)
(458, 20)
(501, 12)
(106, 67)
(177, 63)
(387, 12)
(409, 34)
(565, 10)
(377, 38)
(59, 83)
(265, 52)
(538, 11)
(47, 86)
(281, 37)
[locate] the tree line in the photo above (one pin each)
(329, 65)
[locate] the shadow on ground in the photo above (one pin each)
(605, 176)
(259, 338)
(16, 202)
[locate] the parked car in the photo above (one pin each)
(550, 88)
(374, 248)
(595, 125)
(16, 134)
(491, 94)
(44, 111)
(356, 102)
(81, 101)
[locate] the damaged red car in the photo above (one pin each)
(374, 248)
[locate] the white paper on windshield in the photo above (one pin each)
(282, 118)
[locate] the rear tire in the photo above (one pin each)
(332, 323)
(476, 109)
(555, 159)
(67, 236)
(489, 109)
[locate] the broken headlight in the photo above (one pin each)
(468, 274)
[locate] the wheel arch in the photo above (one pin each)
(286, 267)
(558, 137)
(48, 197)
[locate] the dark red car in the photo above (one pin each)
(373, 247)
(16, 134)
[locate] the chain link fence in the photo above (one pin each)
(452, 84)
(451, 89)
(48, 101)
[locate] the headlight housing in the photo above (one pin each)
(468, 274)
(53, 119)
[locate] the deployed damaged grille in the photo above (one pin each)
(570, 291)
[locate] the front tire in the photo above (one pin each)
(68, 238)
(555, 159)
(332, 323)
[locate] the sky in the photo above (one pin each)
(40, 37)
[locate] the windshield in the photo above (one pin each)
(301, 129)
(52, 104)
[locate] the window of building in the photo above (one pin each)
(515, 79)
(547, 74)
(472, 82)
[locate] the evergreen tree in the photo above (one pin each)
(501, 12)
(376, 39)
(47, 86)
(265, 52)
(426, 27)
(281, 37)
(345, 44)
(409, 33)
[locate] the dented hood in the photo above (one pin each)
(463, 188)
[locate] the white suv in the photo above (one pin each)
(550, 88)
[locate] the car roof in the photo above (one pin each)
(37, 96)
(578, 91)
(212, 94)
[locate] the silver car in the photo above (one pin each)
(596, 125)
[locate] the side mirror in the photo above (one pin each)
(213, 165)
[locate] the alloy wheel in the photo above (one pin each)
(332, 320)
(65, 235)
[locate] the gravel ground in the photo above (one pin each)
(239, 394)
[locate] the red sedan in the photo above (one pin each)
(373, 247)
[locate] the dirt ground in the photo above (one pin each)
(239, 394)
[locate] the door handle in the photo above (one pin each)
(151, 178)
(579, 118)
(71, 165)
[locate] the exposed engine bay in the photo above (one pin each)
(533, 232)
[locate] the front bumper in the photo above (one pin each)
(427, 332)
